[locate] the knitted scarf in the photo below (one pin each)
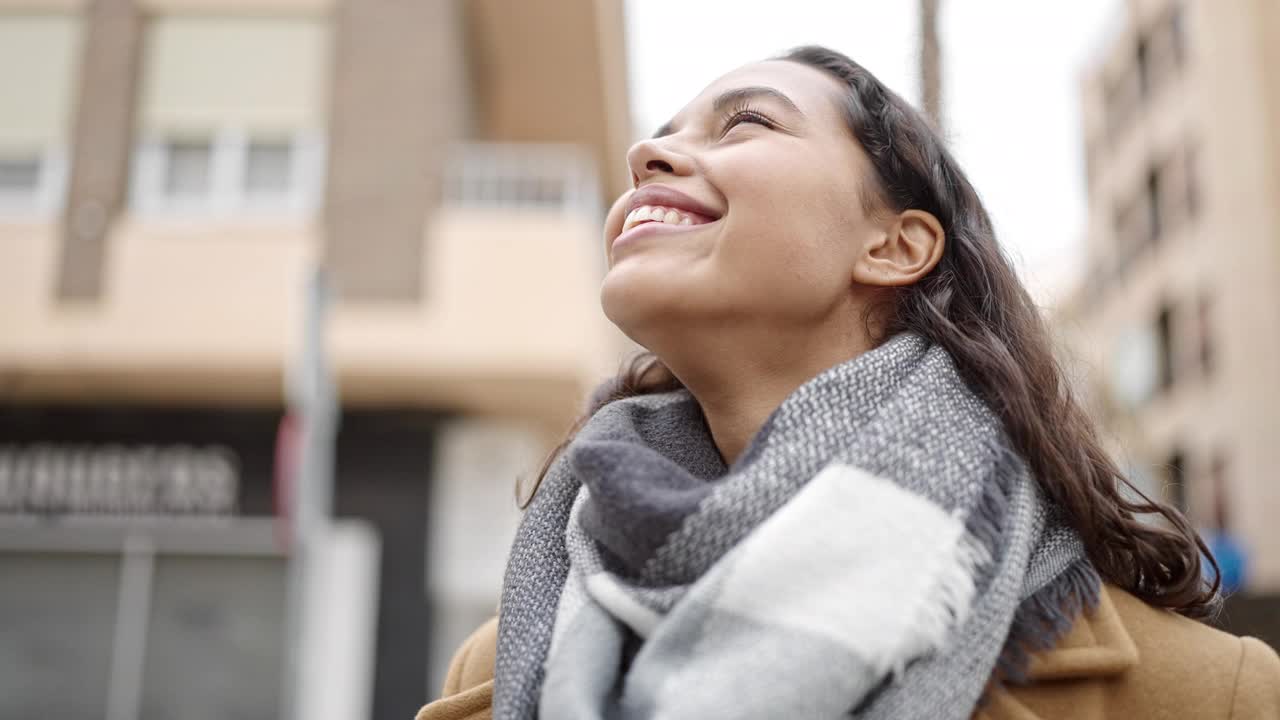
(877, 551)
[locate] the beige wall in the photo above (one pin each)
(1223, 106)
(209, 312)
(492, 309)
(533, 85)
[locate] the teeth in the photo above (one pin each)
(648, 213)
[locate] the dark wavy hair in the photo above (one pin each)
(973, 305)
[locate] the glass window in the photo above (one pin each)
(1192, 182)
(57, 624)
(19, 175)
(1164, 345)
(254, 88)
(268, 167)
(1153, 205)
(215, 638)
(1204, 316)
(1143, 63)
(188, 168)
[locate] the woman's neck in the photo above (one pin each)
(738, 395)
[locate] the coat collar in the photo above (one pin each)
(1098, 645)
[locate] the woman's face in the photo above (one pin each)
(765, 154)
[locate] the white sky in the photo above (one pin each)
(1010, 90)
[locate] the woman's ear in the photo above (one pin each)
(905, 251)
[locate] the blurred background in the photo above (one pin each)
(292, 292)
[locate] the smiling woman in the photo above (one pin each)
(847, 476)
(659, 208)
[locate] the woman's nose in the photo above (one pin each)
(652, 157)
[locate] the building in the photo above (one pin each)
(1178, 316)
(170, 173)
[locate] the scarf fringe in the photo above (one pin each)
(1046, 616)
(986, 522)
(948, 603)
(1042, 619)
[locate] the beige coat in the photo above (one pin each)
(1125, 660)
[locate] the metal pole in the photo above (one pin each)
(931, 62)
(313, 403)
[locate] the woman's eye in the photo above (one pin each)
(748, 117)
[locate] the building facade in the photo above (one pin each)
(171, 172)
(1177, 320)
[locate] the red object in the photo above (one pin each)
(288, 457)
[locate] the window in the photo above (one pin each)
(520, 176)
(1204, 332)
(1132, 230)
(1157, 54)
(1218, 476)
(59, 608)
(229, 607)
(1160, 53)
(188, 168)
(1191, 183)
(268, 168)
(1143, 64)
(1163, 204)
(20, 175)
(1164, 347)
(231, 115)
(1153, 207)
(1174, 190)
(124, 625)
(1176, 480)
(38, 52)
(1135, 366)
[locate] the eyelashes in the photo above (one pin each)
(745, 113)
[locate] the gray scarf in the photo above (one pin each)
(877, 551)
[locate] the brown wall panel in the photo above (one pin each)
(399, 96)
(102, 141)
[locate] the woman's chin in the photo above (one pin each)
(632, 298)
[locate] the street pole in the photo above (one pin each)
(312, 421)
(931, 62)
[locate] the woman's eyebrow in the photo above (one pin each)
(737, 95)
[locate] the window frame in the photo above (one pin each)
(228, 194)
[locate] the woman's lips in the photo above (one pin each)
(652, 228)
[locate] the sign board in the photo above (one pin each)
(46, 478)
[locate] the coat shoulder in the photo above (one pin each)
(467, 693)
(1127, 659)
(1183, 661)
(1258, 683)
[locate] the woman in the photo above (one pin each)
(849, 478)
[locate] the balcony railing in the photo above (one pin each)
(522, 176)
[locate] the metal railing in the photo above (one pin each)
(523, 176)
